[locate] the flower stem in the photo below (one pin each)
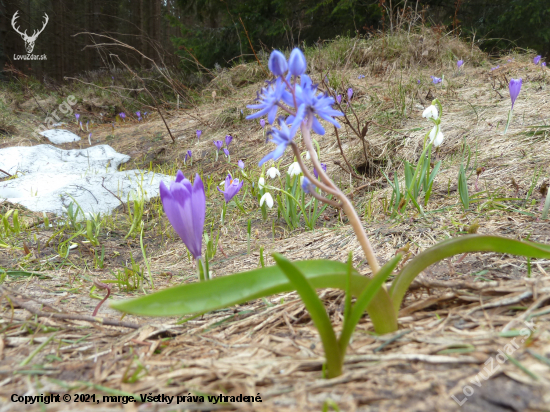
(200, 273)
(348, 208)
(509, 120)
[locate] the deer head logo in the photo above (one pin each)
(29, 40)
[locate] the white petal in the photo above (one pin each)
(272, 172)
(261, 183)
(294, 169)
(436, 140)
(267, 199)
(431, 112)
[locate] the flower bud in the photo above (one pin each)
(297, 62)
(277, 63)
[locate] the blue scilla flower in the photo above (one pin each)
(282, 139)
(309, 104)
(297, 64)
(268, 101)
(277, 63)
(307, 186)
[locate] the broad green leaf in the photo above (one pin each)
(238, 288)
(459, 245)
(317, 311)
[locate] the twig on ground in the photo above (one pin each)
(68, 316)
(351, 171)
(119, 199)
(101, 285)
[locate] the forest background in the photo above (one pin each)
(199, 35)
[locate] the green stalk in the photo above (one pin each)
(546, 206)
(200, 271)
(509, 120)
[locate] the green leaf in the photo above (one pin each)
(238, 288)
(317, 312)
(460, 245)
(23, 274)
(365, 299)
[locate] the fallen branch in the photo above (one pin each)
(351, 171)
(119, 199)
(3, 171)
(68, 316)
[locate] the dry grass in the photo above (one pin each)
(451, 322)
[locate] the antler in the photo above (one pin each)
(36, 33)
(14, 18)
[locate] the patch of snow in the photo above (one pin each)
(59, 136)
(49, 179)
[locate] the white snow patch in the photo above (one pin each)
(59, 136)
(49, 178)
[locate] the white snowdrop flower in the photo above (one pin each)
(267, 199)
(308, 156)
(294, 169)
(261, 183)
(273, 172)
(431, 112)
(436, 140)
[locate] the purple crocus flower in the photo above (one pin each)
(361, 76)
(339, 98)
(226, 152)
(232, 187)
(185, 206)
(323, 166)
(188, 155)
(435, 80)
(536, 60)
(418, 81)
(77, 116)
(218, 144)
(262, 123)
(459, 63)
(515, 88)
(138, 114)
(122, 115)
(543, 64)
(199, 132)
(350, 93)
(240, 163)
(228, 139)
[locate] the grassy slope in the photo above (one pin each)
(274, 350)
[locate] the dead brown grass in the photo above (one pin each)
(451, 322)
